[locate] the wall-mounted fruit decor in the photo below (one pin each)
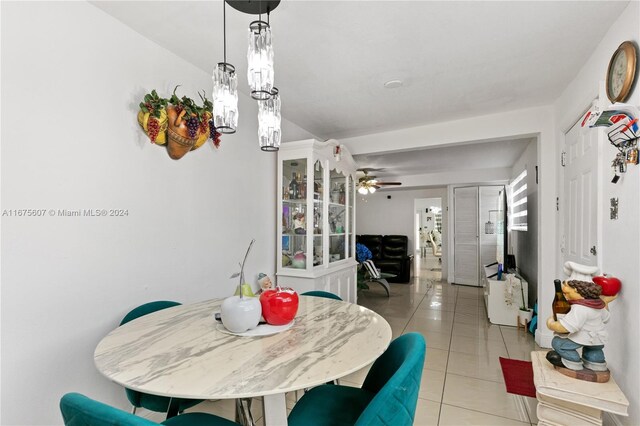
(178, 123)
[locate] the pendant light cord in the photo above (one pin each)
(224, 28)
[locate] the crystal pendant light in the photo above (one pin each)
(260, 60)
(269, 133)
(225, 90)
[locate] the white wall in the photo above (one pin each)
(524, 244)
(72, 77)
(619, 240)
(376, 214)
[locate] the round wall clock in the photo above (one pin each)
(621, 72)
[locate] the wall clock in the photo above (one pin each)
(621, 72)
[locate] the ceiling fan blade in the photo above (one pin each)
(375, 186)
(388, 183)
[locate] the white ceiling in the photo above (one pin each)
(487, 155)
(457, 59)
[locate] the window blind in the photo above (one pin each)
(518, 203)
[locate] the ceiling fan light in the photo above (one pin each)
(362, 190)
(260, 60)
(372, 189)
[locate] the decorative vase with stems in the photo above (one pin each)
(240, 313)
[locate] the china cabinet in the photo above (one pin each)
(316, 236)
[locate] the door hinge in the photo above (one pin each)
(563, 159)
(557, 204)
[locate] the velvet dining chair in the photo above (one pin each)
(145, 400)
(80, 410)
(388, 396)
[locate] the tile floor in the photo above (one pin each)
(462, 381)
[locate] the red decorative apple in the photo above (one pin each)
(610, 285)
(279, 306)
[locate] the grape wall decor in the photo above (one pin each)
(177, 122)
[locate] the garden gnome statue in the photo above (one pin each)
(582, 327)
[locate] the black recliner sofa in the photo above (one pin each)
(390, 255)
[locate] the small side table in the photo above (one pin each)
(566, 401)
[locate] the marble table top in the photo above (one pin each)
(601, 396)
(178, 352)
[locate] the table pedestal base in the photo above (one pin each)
(243, 412)
(275, 409)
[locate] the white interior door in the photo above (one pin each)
(488, 212)
(466, 268)
(579, 242)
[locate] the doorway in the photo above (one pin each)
(428, 230)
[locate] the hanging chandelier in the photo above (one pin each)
(260, 60)
(225, 89)
(260, 76)
(269, 134)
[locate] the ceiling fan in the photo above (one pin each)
(368, 184)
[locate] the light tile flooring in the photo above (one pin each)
(462, 381)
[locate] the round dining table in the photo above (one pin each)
(181, 352)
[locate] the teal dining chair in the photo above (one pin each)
(145, 400)
(320, 293)
(388, 396)
(80, 410)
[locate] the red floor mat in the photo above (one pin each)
(518, 376)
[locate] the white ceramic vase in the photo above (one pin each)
(525, 316)
(239, 314)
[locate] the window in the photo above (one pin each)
(518, 203)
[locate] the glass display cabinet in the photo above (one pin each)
(316, 192)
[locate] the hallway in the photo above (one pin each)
(462, 381)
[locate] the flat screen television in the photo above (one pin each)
(502, 233)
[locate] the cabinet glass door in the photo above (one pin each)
(318, 205)
(294, 214)
(337, 220)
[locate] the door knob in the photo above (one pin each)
(593, 250)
